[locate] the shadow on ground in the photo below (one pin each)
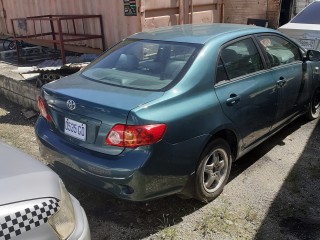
(295, 212)
(13, 114)
(131, 220)
(260, 151)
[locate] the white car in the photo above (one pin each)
(305, 27)
(34, 204)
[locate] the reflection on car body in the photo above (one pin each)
(168, 111)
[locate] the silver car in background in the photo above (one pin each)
(34, 204)
(305, 27)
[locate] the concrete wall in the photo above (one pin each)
(19, 92)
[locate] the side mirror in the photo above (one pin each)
(313, 55)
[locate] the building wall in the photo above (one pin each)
(238, 11)
(115, 25)
(151, 14)
(168, 12)
(273, 13)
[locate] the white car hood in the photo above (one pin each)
(24, 178)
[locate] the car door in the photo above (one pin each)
(246, 89)
(285, 62)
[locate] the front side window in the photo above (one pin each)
(279, 51)
(238, 59)
(141, 64)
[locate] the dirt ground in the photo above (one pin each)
(273, 193)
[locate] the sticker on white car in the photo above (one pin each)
(22, 221)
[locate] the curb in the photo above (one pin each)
(21, 93)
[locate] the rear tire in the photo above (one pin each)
(213, 170)
(314, 109)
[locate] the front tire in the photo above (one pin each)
(314, 109)
(213, 170)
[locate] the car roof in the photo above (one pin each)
(199, 33)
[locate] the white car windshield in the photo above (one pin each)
(309, 15)
(141, 64)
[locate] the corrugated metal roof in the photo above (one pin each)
(73, 62)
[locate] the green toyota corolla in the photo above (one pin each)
(167, 111)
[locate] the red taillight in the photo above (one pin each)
(43, 110)
(132, 136)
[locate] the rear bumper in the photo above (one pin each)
(140, 174)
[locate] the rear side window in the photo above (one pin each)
(279, 51)
(309, 15)
(221, 72)
(238, 59)
(141, 64)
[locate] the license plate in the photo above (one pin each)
(307, 43)
(75, 129)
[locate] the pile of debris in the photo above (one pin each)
(50, 70)
(51, 66)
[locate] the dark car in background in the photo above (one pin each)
(168, 111)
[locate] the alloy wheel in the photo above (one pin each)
(215, 170)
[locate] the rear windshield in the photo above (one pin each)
(309, 15)
(141, 64)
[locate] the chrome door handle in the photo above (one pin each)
(281, 82)
(233, 99)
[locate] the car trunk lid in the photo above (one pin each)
(93, 107)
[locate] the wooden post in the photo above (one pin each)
(61, 42)
(142, 12)
(191, 11)
(222, 12)
(15, 40)
(53, 33)
(103, 40)
(3, 17)
(181, 11)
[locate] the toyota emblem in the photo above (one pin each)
(71, 104)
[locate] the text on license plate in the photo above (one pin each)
(307, 43)
(75, 129)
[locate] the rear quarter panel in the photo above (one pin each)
(190, 110)
(191, 107)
